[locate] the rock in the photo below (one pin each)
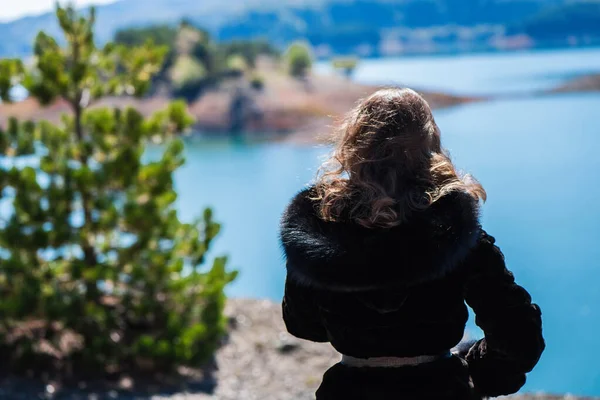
(586, 83)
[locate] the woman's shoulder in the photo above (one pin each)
(454, 210)
(301, 211)
(303, 202)
(344, 254)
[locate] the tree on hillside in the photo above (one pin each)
(346, 65)
(161, 35)
(97, 272)
(194, 60)
(249, 50)
(299, 59)
(11, 72)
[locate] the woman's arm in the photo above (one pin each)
(512, 325)
(301, 314)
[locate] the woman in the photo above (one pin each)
(382, 253)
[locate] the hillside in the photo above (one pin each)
(571, 23)
(370, 28)
(19, 34)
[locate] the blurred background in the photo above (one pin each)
(515, 87)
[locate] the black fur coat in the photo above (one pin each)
(402, 292)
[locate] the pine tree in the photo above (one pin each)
(299, 59)
(91, 246)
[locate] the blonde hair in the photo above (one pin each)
(388, 162)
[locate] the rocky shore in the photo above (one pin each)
(258, 361)
(262, 361)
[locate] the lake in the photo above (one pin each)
(536, 157)
(479, 74)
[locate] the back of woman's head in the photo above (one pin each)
(388, 162)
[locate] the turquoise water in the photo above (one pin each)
(480, 74)
(536, 157)
(538, 161)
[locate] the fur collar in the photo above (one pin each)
(345, 256)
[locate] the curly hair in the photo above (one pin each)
(388, 162)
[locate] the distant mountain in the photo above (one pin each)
(576, 22)
(17, 36)
(368, 27)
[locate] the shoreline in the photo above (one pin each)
(289, 110)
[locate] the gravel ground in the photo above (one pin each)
(260, 361)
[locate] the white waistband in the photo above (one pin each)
(384, 362)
